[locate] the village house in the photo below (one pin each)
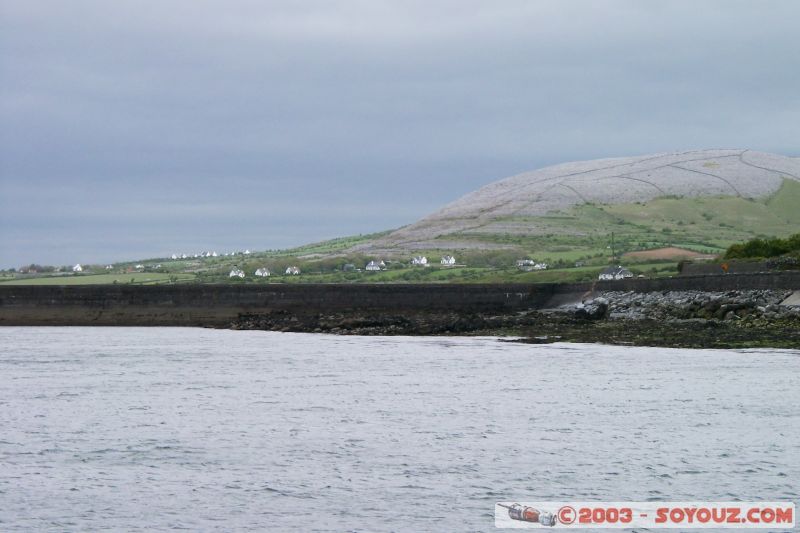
(615, 273)
(77, 268)
(247, 252)
(174, 256)
(374, 266)
(292, 271)
(109, 267)
(420, 260)
(236, 273)
(529, 264)
(448, 260)
(263, 272)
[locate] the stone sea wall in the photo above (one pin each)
(303, 307)
(221, 305)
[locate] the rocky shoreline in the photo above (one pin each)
(686, 319)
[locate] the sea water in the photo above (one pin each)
(167, 428)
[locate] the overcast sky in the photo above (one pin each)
(135, 129)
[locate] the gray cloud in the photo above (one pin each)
(137, 128)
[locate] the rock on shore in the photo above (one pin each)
(694, 319)
(745, 305)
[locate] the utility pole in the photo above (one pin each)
(613, 251)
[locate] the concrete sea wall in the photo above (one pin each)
(221, 305)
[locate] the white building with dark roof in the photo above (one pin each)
(528, 265)
(374, 266)
(263, 272)
(615, 273)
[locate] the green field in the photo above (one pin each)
(136, 278)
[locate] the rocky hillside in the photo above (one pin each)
(563, 199)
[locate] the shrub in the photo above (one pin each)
(758, 248)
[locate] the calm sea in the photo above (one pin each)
(161, 428)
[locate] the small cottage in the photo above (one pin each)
(420, 260)
(77, 268)
(292, 271)
(263, 272)
(615, 273)
(374, 266)
(236, 273)
(448, 260)
(528, 265)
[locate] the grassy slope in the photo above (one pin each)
(706, 225)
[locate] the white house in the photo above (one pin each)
(448, 260)
(139, 267)
(109, 267)
(263, 272)
(529, 264)
(292, 271)
(236, 273)
(77, 268)
(420, 260)
(174, 256)
(615, 272)
(247, 252)
(375, 266)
